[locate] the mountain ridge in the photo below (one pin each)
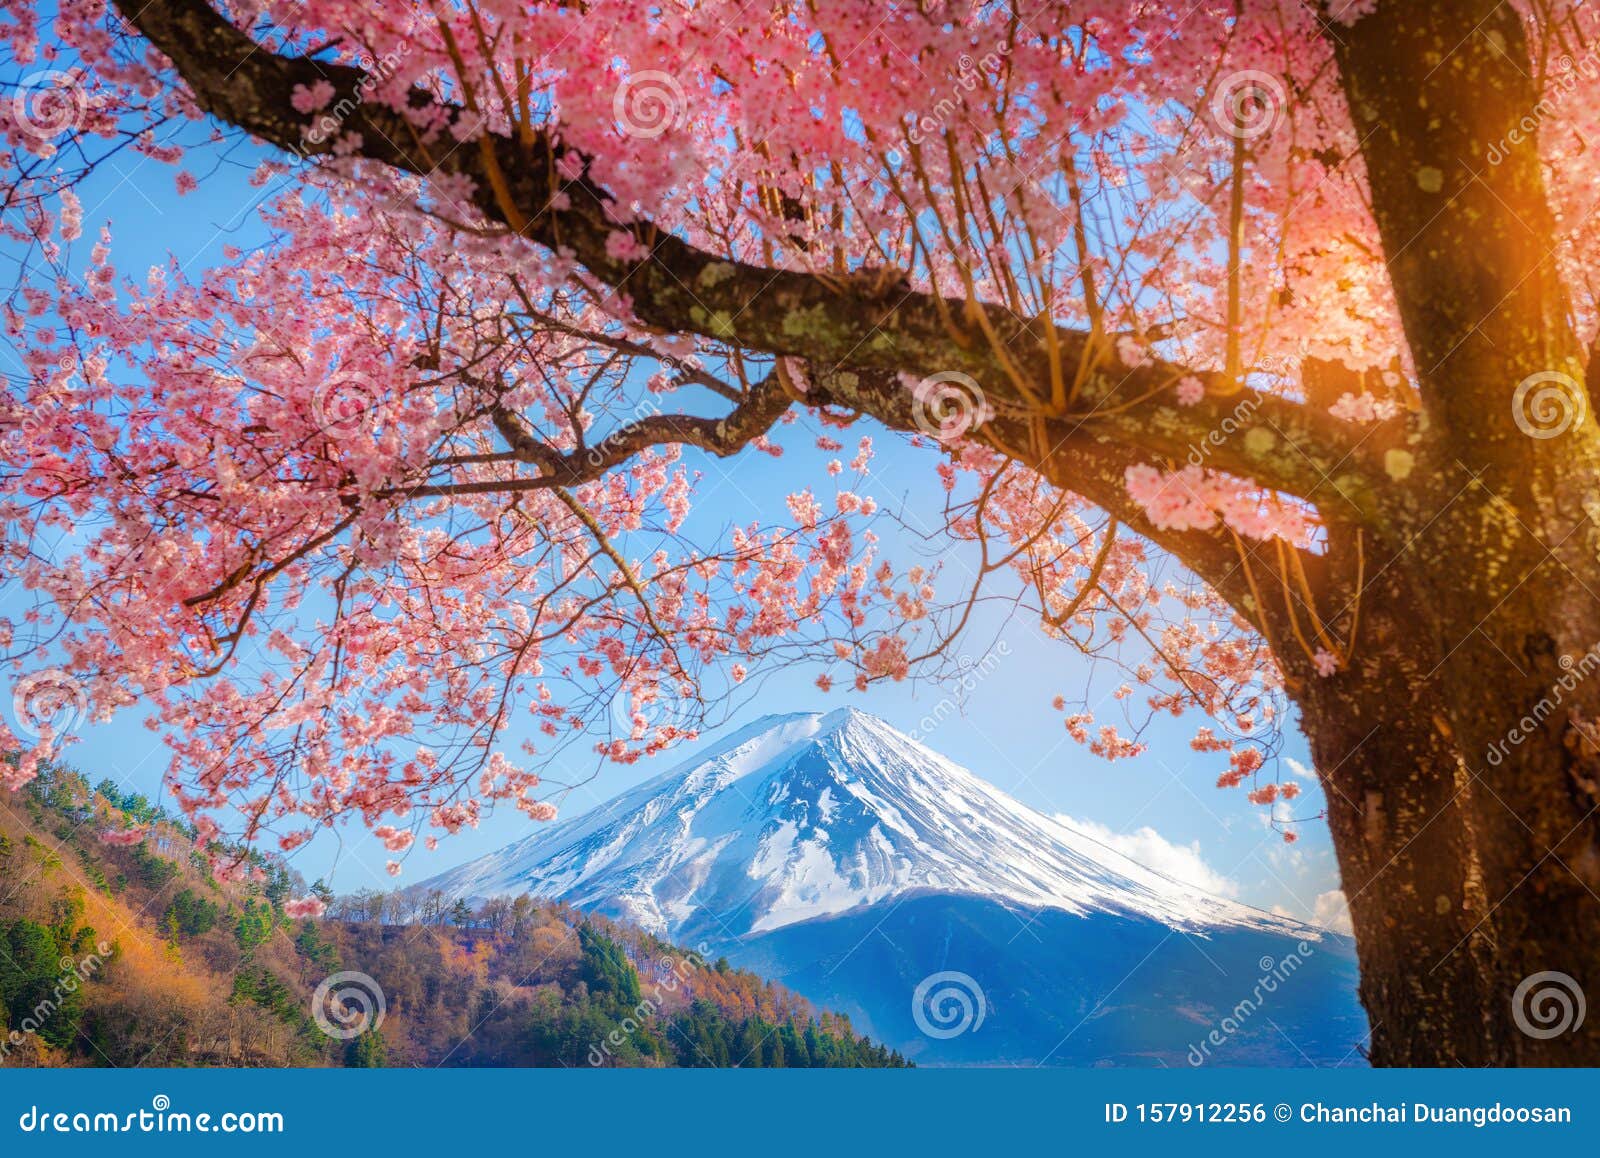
(798, 816)
(875, 876)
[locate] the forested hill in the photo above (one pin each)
(131, 955)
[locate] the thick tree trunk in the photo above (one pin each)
(1466, 824)
(1524, 685)
(1394, 786)
(1460, 767)
(1398, 806)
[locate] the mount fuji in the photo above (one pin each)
(846, 859)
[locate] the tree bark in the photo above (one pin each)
(1490, 695)
(1395, 787)
(1462, 797)
(1524, 688)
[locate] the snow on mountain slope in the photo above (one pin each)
(802, 816)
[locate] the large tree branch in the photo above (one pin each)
(1086, 465)
(755, 415)
(681, 288)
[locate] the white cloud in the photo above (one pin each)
(1331, 912)
(1300, 770)
(1147, 846)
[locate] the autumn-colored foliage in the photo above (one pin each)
(139, 956)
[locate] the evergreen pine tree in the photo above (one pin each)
(366, 1051)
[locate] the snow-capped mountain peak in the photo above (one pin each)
(808, 815)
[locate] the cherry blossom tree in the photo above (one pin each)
(1296, 294)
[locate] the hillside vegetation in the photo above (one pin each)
(136, 955)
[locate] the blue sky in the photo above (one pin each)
(1161, 807)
